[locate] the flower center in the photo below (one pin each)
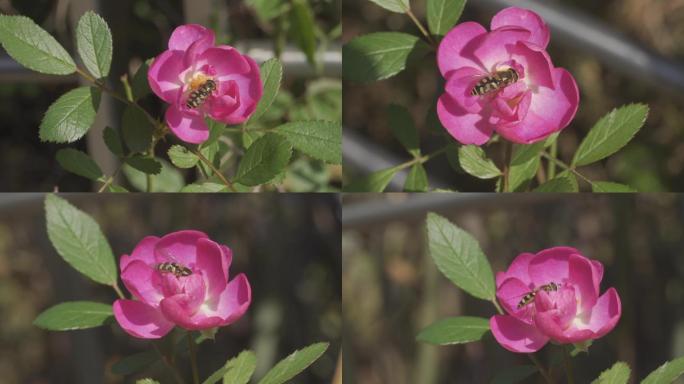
(197, 80)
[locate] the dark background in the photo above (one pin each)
(653, 161)
(288, 246)
(392, 289)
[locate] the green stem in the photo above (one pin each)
(118, 291)
(566, 167)
(420, 26)
(216, 171)
(109, 180)
(193, 358)
(498, 306)
(554, 154)
(127, 88)
(568, 365)
(168, 363)
(508, 151)
(540, 367)
(421, 159)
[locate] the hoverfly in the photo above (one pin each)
(529, 297)
(172, 267)
(199, 96)
(494, 82)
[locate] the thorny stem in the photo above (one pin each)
(532, 356)
(421, 159)
(568, 365)
(567, 167)
(193, 358)
(554, 154)
(541, 368)
(109, 180)
(508, 150)
(168, 363)
(213, 168)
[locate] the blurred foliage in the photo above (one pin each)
(653, 161)
(392, 290)
(141, 29)
(288, 246)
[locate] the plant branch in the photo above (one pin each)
(110, 179)
(420, 26)
(554, 154)
(118, 291)
(193, 358)
(568, 365)
(508, 150)
(168, 363)
(213, 168)
(541, 368)
(567, 167)
(498, 306)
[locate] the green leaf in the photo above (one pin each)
(559, 184)
(145, 164)
(454, 330)
(71, 116)
(319, 139)
(79, 240)
(611, 132)
(117, 188)
(34, 48)
(417, 180)
(134, 363)
(617, 374)
(168, 180)
(113, 141)
(524, 165)
(140, 87)
(264, 160)
(374, 182)
(240, 368)
(267, 10)
(459, 257)
(94, 42)
(474, 161)
(79, 163)
(137, 129)
(324, 99)
(398, 6)
(610, 187)
(147, 381)
(295, 363)
(204, 187)
(181, 157)
(302, 29)
(514, 374)
(74, 315)
(442, 15)
(666, 373)
(401, 123)
(380, 55)
(271, 75)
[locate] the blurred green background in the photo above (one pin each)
(392, 289)
(140, 30)
(653, 161)
(288, 246)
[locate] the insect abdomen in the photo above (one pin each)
(174, 268)
(198, 96)
(495, 82)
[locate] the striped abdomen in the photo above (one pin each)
(198, 96)
(498, 80)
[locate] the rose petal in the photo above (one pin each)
(185, 35)
(225, 60)
(467, 128)
(519, 269)
(460, 84)
(174, 308)
(510, 293)
(537, 64)
(551, 265)
(209, 263)
(163, 75)
(581, 277)
(606, 313)
(144, 252)
(526, 19)
(227, 260)
(549, 324)
(189, 128)
(179, 246)
(141, 320)
(234, 300)
(451, 55)
(562, 304)
(144, 282)
(250, 90)
(495, 47)
(515, 335)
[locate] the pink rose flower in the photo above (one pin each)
(566, 308)
(189, 68)
(542, 100)
(193, 292)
